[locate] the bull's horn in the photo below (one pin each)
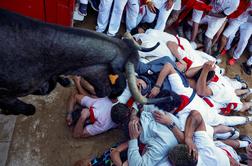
(130, 73)
(140, 48)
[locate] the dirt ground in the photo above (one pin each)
(44, 139)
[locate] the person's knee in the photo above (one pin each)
(196, 116)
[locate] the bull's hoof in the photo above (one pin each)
(29, 110)
(25, 110)
(65, 82)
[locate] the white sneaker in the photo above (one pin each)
(218, 61)
(194, 45)
(77, 16)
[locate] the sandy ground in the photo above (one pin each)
(44, 139)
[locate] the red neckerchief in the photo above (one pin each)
(130, 102)
(179, 44)
(230, 107)
(91, 112)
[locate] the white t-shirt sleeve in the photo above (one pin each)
(215, 88)
(177, 85)
(209, 154)
(231, 7)
(96, 128)
(87, 101)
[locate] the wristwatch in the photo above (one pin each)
(171, 126)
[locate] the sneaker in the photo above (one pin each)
(218, 61)
(232, 61)
(83, 9)
(94, 4)
(246, 138)
(246, 68)
(244, 83)
(243, 158)
(235, 134)
(193, 44)
(223, 52)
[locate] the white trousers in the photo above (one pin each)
(84, 1)
(103, 15)
(213, 25)
(116, 17)
(149, 17)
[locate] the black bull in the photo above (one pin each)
(33, 54)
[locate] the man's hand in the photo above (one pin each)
(192, 148)
(181, 65)
(168, 4)
(134, 129)
(162, 118)
(209, 66)
(151, 6)
(154, 92)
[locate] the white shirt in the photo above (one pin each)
(223, 92)
(157, 138)
(209, 154)
(102, 110)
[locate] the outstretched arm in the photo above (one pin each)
(201, 86)
(166, 70)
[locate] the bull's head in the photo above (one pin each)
(130, 73)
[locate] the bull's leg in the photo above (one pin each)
(16, 107)
(63, 81)
(46, 88)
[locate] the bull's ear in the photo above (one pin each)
(113, 78)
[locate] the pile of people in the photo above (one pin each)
(194, 123)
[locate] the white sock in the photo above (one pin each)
(222, 135)
(243, 144)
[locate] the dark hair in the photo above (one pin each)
(180, 156)
(120, 113)
(118, 88)
(173, 100)
(210, 75)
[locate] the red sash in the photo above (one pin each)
(188, 6)
(208, 102)
(243, 6)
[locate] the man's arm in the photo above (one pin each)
(166, 70)
(115, 153)
(201, 86)
(166, 120)
(192, 71)
(194, 123)
(78, 129)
